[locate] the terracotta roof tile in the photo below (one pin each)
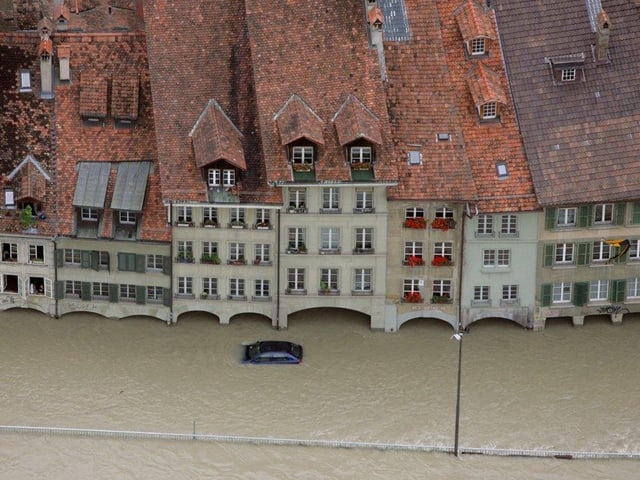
(474, 21)
(354, 121)
(93, 95)
(485, 86)
(125, 89)
(215, 138)
(297, 120)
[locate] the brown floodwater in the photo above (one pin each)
(567, 388)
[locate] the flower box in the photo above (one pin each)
(210, 259)
(414, 261)
(417, 223)
(237, 224)
(302, 167)
(263, 226)
(441, 299)
(210, 224)
(238, 261)
(361, 166)
(412, 297)
(443, 224)
(440, 261)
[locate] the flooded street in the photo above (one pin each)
(562, 389)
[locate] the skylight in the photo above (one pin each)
(396, 24)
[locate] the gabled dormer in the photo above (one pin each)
(218, 152)
(61, 15)
(26, 185)
(93, 98)
(476, 27)
(487, 93)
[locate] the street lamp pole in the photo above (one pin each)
(456, 435)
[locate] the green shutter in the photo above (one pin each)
(127, 262)
(122, 261)
(545, 294)
(166, 265)
(580, 293)
(59, 289)
(547, 256)
(618, 291)
(95, 260)
(141, 263)
(583, 254)
(584, 216)
(635, 216)
(85, 258)
(85, 290)
(59, 258)
(108, 261)
(166, 297)
(114, 292)
(141, 294)
(619, 211)
(550, 218)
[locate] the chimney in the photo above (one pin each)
(45, 52)
(603, 27)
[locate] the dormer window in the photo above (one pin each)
(221, 177)
(567, 69)
(568, 74)
(478, 46)
(89, 214)
(489, 111)
(360, 154)
(302, 155)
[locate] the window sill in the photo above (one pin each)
(362, 293)
(363, 251)
(329, 251)
(261, 299)
(237, 298)
(364, 210)
(291, 291)
(330, 210)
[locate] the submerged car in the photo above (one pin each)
(272, 351)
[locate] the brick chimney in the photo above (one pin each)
(45, 53)
(603, 28)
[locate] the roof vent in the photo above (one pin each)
(415, 157)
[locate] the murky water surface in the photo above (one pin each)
(563, 389)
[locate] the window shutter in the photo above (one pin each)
(108, 261)
(545, 294)
(547, 259)
(85, 290)
(59, 289)
(550, 218)
(114, 292)
(619, 211)
(580, 293)
(635, 216)
(166, 265)
(583, 254)
(584, 216)
(59, 258)
(141, 263)
(618, 290)
(141, 293)
(122, 261)
(85, 259)
(166, 297)
(95, 260)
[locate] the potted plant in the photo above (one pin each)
(237, 224)
(414, 261)
(440, 299)
(417, 223)
(443, 223)
(185, 257)
(440, 261)
(412, 297)
(264, 225)
(204, 295)
(209, 223)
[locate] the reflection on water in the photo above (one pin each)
(564, 389)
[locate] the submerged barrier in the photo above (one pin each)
(502, 452)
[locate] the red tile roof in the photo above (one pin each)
(485, 85)
(354, 122)
(474, 21)
(125, 90)
(93, 95)
(296, 120)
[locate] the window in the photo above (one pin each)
(509, 225)
(228, 178)
(561, 292)
(210, 286)
(603, 213)
(413, 249)
(410, 285)
(485, 225)
(155, 294)
(155, 263)
(364, 239)
(330, 239)
(262, 288)
(443, 249)
(237, 216)
(634, 251)
(509, 292)
(216, 177)
(210, 249)
(302, 155)
(496, 258)
(210, 215)
(100, 290)
(477, 46)
(263, 217)
(441, 288)
(185, 249)
(489, 111)
(236, 251)
(296, 239)
(598, 290)
(501, 170)
(364, 201)
(9, 198)
(126, 217)
(566, 217)
(71, 257)
(360, 155)
(413, 212)
(444, 212)
(362, 280)
(36, 253)
(568, 74)
(185, 286)
(9, 252)
(236, 287)
(564, 253)
(330, 198)
(297, 198)
(633, 287)
(25, 81)
(127, 292)
(89, 214)
(329, 279)
(72, 288)
(295, 279)
(481, 294)
(185, 214)
(263, 253)
(601, 251)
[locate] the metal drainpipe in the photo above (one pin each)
(55, 278)
(464, 220)
(171, 319)
(278, 270)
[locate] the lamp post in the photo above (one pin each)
(456, 434)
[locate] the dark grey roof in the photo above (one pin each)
(91, 185)
(582, 139)
(396, 24)
(131, 184)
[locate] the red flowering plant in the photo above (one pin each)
(412, 297)
(440, 261)
(415, 222)
(414, 261)
(443, 223)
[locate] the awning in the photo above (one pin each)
(91, 186)
(131, 185)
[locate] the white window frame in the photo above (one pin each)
(508, 225)
(598, 290)
(155, 294)
(185, 248)
(296, 236)
(25, 81)
(36, 253)
(413, 212)
(360, 154)
(302, 155)
(236, 251)
(228, 177)
(330, 198)
(88, 214)
(155, 263)
(72, 257)
(126, 217)
(442, 288)
(411, 285)
(329, 276)
(72, 288)
(562, 292)
(209, 248)
(485, 225)
(566, 217)
(477, 46)
(634, 251)
(262, 288)
(297, 197)
(210, 214)
(481, 293)
(364, 199)
(263, 252)
(509, 292)
(237, 287)
(568, 74)
(184, 214)
(185, 285)
(100, 290)
(443, 249)
(489, 110)
(633, 288)
(214, 177)
(601, 252)
(210, 285)
(603, 213)
(564, 253)
(127, 292)
(364, 238)
(413, 249)
(296, 279)
(362, 280)
(330, 239)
